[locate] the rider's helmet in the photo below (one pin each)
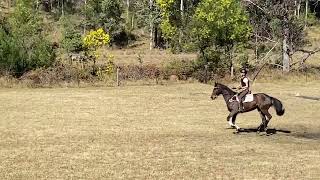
(244, 70)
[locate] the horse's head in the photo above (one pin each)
(216, 91)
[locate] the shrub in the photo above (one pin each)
(139, 72)
(72, 40)
(23, 46)
(183, 69)
(59, 73)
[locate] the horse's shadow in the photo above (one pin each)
(269, 131)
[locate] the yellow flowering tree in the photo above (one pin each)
(96, 39)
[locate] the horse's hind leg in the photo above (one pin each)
(263, 122)
(267, 119)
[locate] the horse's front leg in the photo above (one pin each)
(232, 119)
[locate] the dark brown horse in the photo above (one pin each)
(261, 102)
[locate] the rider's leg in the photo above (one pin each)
(241, 105)
(241, 99)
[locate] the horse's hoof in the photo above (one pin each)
(269, 134)
(259, 128)
(263, 134)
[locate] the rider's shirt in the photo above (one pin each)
(244, 82)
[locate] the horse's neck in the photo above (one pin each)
(227, 94)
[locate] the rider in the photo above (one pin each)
(244, 87)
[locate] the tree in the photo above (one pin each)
(221, 25)
(23, 46)
(96, 39)
(72, 40)
(106, 14)
(176, 22)
(281, 24)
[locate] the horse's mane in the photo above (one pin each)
(225, 87)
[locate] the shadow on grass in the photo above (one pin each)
(272, 131)
(269, 131)
(308, 135)
(309, 97)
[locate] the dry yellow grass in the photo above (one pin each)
(154, 132)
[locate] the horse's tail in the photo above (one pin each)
(278, 106)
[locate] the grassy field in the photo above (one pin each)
(154, 132)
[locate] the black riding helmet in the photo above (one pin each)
(243, 70)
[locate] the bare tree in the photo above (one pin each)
(289, 31)
(298, 8)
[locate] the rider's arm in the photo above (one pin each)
(240, 86)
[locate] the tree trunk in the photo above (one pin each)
(298, 8)
(230, 52)
(306, 15)
(132, 21)
(62, 8)
(295, 10)
(37, 5)
(128, 11)
(286, 59)
(182, 10)
(151, 25)
(232, 70)
(182, 20)
(285, 46)
(151, 36)
(85, 17)
(256, 46)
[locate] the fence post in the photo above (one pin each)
(118, 69)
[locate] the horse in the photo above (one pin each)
(262, 102)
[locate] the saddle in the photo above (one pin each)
(248, 98)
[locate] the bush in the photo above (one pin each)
(139, 72)
(72, 40)
(23, 46)
(182, 69)
(59, 73)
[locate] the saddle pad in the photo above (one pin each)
(249, 98)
